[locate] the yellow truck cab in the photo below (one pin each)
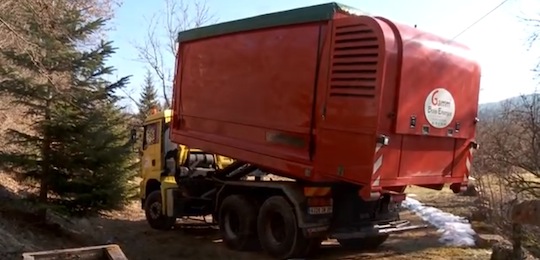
(162, 164)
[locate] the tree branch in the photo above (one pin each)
(158, 51)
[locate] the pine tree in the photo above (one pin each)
(78, 147)
(33, 81)
(149, 97)
(101, 164)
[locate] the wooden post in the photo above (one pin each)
(526, 212)
(517, 238)
(523, 213)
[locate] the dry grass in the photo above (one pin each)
(495, 202)
(444, 199)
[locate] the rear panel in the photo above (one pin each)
(436, 99)
(445, 107)
(380, 86)
(438, 91)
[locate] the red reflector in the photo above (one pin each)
(398, 197)
(319, 201)
(317, 191)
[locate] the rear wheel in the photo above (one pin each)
(278, 231)
(154, 213)
(367, 243)
(238, 223)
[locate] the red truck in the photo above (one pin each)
(351, 108)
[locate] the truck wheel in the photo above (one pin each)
(366, 243)
(278, 231)
(154, 214)
(238, 223)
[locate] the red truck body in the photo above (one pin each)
(325, 95)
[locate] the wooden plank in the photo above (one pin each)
(111, 252)
(115, 253)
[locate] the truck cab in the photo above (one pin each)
(162, 163)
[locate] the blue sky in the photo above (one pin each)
(499, 40)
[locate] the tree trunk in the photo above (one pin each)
(517, 238)
(46, 153)
(43, 189)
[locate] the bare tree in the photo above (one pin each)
(158, 51)
(507, 165)
(10, 13)
(511, 144)
(533, 23)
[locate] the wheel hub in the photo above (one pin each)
(155, 210)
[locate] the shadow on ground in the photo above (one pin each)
(24, 229)
(139, 242)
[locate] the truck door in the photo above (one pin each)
(151, 147)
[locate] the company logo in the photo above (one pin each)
(439, 108)
(435, 101)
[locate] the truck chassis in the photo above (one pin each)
(286, 218)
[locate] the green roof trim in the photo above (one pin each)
(308, 14)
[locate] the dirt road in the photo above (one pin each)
(139, 242)
(129, 229)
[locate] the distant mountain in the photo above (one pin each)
(487, 110)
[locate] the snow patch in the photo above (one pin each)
(454, 230)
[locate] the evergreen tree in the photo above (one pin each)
(78, 147)
(149, 97)
(101, 165)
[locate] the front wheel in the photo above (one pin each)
(278, 231)
(154, 213)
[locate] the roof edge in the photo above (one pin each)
(314, 13)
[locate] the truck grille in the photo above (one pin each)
(354, 64)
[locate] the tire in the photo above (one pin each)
(278, 231)
(312, 247)
(238, 223)
(154, 214)
(368, 243)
